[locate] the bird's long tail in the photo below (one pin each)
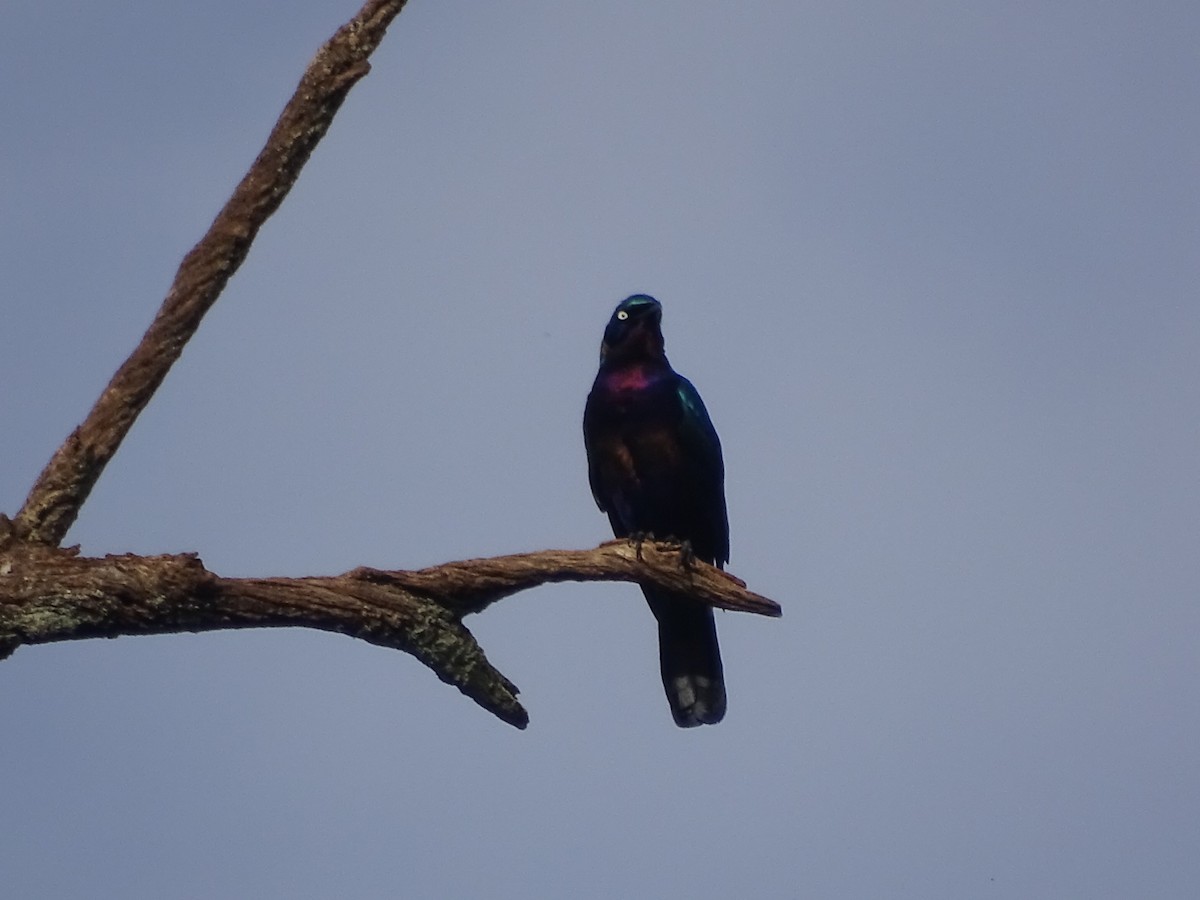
(689, 657)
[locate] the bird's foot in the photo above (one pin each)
(687, 555)
(637, 539)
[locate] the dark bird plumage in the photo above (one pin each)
(654, 463)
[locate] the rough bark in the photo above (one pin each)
(49, 594)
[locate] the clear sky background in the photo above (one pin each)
(933, 267)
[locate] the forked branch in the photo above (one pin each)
(49, 594)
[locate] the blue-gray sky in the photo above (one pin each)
(933, 267)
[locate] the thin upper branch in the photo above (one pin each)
(49, 594)
(60, 491)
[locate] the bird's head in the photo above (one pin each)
(634, 332)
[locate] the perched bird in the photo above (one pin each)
(655, 466)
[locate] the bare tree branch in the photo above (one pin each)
(60, 491)
(49, 594)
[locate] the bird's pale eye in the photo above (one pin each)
(622, 315)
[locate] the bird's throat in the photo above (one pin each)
(632, 378)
